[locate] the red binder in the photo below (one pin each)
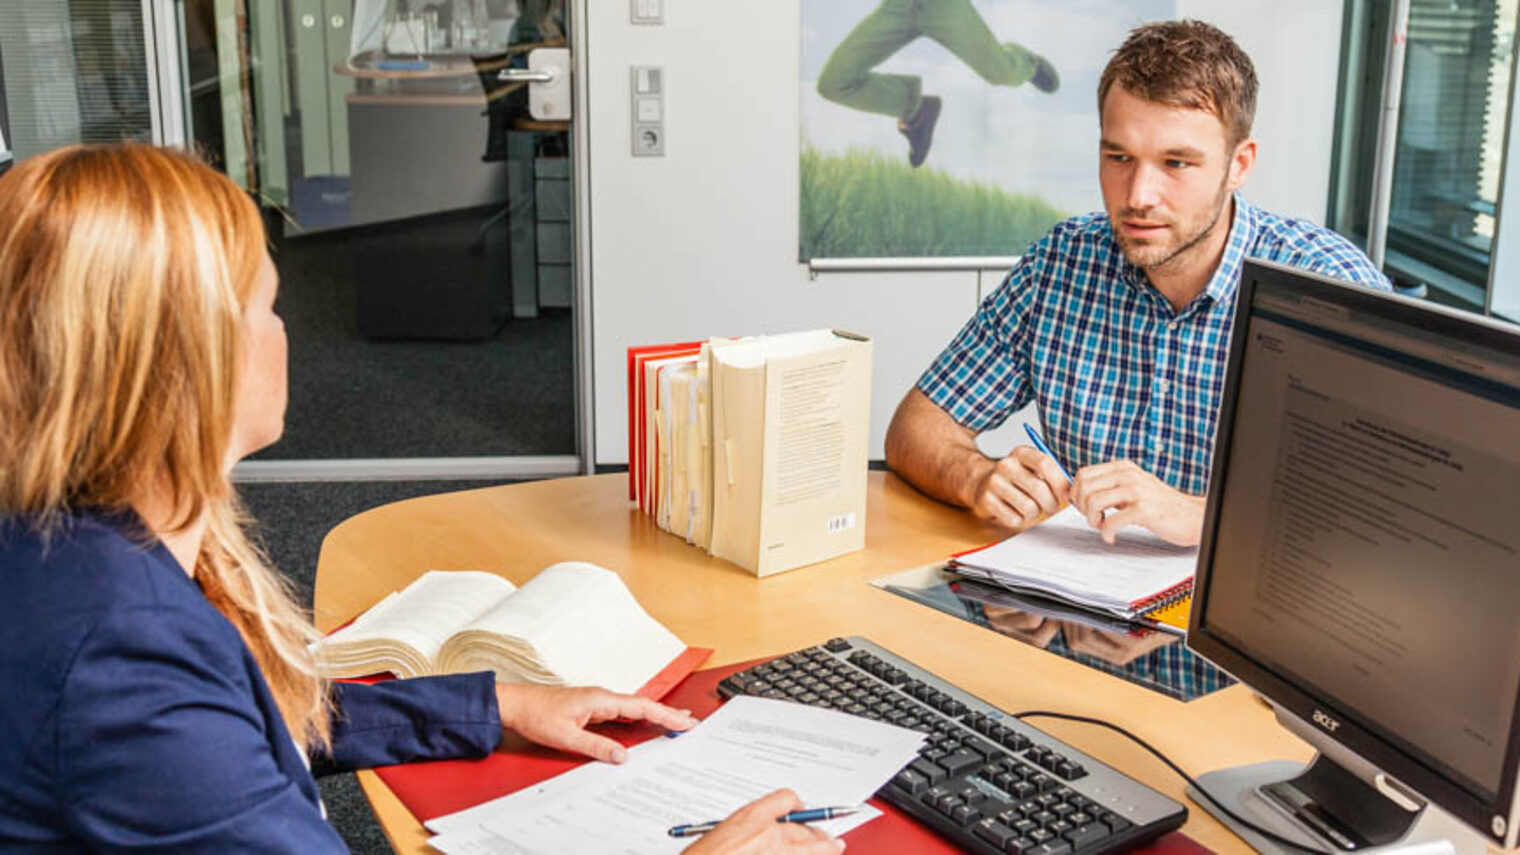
(638, 468)
(430, 790)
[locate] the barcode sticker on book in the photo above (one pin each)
(843, 522)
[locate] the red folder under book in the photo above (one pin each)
(431, 790)
(637, 465)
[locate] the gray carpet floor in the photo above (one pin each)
(292, 520)
(354, 397)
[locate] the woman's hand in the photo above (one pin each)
(753, 830)
(557, 717)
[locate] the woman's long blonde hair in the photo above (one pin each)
(124, 271)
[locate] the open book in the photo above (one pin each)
(1064, 558)
(573, 624)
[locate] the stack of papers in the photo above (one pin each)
(748, 748)
(1065, 559)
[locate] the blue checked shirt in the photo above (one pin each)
(1116, 371)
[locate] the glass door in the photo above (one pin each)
(422, 222)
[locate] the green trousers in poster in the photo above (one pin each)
(847, 77)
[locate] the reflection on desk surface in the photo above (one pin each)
(1157, 660)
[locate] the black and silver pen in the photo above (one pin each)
(809, 815)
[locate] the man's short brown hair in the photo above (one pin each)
(1186, 64)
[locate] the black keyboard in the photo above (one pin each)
(984, 780)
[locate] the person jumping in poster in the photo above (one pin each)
(847, 77)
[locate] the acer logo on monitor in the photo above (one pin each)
(1325, 721)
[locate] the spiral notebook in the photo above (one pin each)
(1063, 558)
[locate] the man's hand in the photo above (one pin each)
(557, 717)
(1117, 648)
(1019, 489)
(1119, 493)
(753, 830)
(1028, 628)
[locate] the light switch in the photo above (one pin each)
(648, 110)
(648, 11)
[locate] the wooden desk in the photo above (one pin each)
(517, 530)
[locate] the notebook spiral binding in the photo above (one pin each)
(1175, 594)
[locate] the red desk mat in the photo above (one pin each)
(430, 790)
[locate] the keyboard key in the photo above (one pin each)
(959, 761)
(1059, 827)
(932, 795)
(952, 707)
(910, 782)
(947, 804)
(1062, 810)
(1043, 817)
(1086, 836)
(982, 747)
(836, 645)
(1080, 817)
(1014, 741)
(1040, 835)
(1070, 771)
(932, 772)
(965, 814)
(1019, 846)
(1053, 847)
(1042, 782)
(994, 832)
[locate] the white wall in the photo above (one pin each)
(703, 241)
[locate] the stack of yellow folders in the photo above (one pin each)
(753, 448)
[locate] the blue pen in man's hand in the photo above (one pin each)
(809, 815)
(1039, 444)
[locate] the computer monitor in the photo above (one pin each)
(1360, 562)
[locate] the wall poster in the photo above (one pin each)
(951, 127)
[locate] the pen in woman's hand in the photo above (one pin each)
(809, 815)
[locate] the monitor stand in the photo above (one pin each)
(1326, 808)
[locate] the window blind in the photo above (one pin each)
(73, 71)
(1451, 131)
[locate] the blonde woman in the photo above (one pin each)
(155, 689)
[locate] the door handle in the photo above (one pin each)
(527, 75)
(548, 75)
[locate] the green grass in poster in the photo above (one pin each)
(864, 204)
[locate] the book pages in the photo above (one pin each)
(573, 624)
(679, 517)
(404, 632)
(738, 395)
(649, 499)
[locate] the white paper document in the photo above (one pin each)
(1064, 557)
(746, 749)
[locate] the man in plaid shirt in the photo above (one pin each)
(1117, 324)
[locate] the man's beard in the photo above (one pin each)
(1151, 256)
